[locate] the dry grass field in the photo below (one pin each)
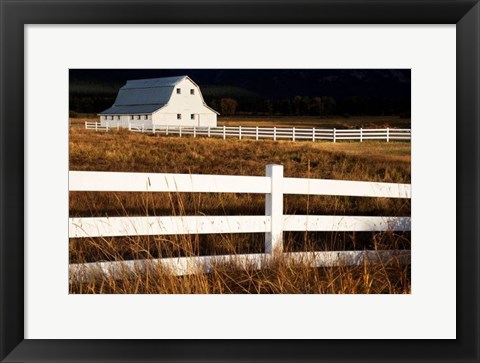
(320, 122)
(125, 151)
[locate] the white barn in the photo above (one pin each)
(169, 101)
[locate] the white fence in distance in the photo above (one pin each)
(257, 133)
(274, 185)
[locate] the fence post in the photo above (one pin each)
(118, 125)
(180, 131)
(194, 131)
(96, 126)
(143, 128)
(313, 134)
(129, 126)
(293, 133)
(208, 131)
(166, 131)
(274, 209)
(274, 134)
(106, 127)
(239, 132)
(256, 133)
(224, 134)
(361, 134)
(388, 134)
(334, 135)
(153, 129)
(86, 127)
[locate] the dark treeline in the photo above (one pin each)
(313, 106)
(294, 106)
(264, 92)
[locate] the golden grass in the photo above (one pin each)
(317, 121)
(280, 277)
(125, 151)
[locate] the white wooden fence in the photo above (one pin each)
(274, 185)
(257, 133)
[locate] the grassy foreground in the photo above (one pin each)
(125, 151)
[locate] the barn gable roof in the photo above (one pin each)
(143, 96)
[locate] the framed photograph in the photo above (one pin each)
(268, 100)
(193, 139)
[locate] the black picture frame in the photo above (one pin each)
(15, 14)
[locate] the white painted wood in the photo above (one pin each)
(345, 188)
(271, 133)
(185, 104)
(274, 209)
(149, 226)
(204, 264)
(146, 182)
(345, 223)
(348, 258)
(141, 226)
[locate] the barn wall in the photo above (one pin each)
(124, 120)
(208, 119)
(185, 104)
(163, 118)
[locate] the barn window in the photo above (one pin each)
(138, 117)
(192, 116)
(131, 117)
(111, 117)
(118, 117)
(179, 91)
(179, 116)
(192, 91)
(146, 117)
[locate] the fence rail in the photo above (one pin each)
(257, 133)
(273, 223)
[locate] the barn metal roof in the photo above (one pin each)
(141, 96)
(131, 109)
(153, 82)
(144, 96)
